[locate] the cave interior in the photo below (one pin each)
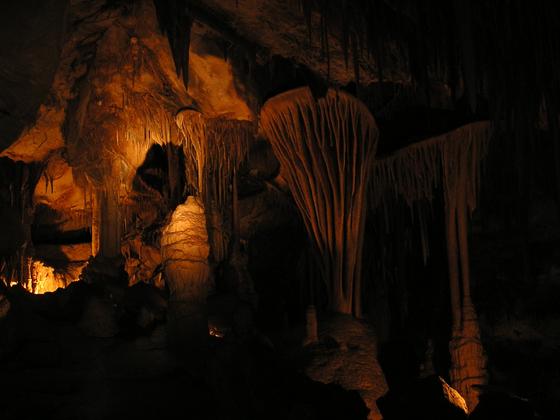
(279, 209)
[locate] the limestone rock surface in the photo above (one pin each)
(185, 251)
(347, 355)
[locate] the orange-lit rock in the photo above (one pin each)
(347, 355)
(468, 359)
(328, 145)
(128, 102)
(46, 135)
(60, 200)
(39, 140)
(43, 278)
(212, 84)
(142, 260)
(185, 251)
(67, 260)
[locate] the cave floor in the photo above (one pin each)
(91, 378)
(51, 369)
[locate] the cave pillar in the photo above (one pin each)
(468, 358)
(453, 267)
(185, 251)
(109, 223)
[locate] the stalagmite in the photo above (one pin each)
(327, 146)
(451, 161)
(468, 359)
(185, 251)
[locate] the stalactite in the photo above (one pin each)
(414, 173)
(452, 163)
(215, 147)
(173, 175)
(192, 125)
(474, 48)
(175, 20)
(327, 146)
(15, 267)
(468, 359)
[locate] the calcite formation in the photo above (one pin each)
(270, 183)
(185, 251)
(328, 144)
(346, 354)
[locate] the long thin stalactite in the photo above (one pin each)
(416, 172)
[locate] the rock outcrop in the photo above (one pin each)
(347, 355)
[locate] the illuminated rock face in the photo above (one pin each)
(212, 83)
(141, 260)
(60, 203)
(44, 279)
(347, 355)
(185, 250)
(468, 359)
(328, 146)
(28, 59)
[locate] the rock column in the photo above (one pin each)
(185, 251)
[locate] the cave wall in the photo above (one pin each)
(33, 33)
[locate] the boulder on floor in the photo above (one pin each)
(346, 354)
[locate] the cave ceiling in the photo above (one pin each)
(63, 37)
